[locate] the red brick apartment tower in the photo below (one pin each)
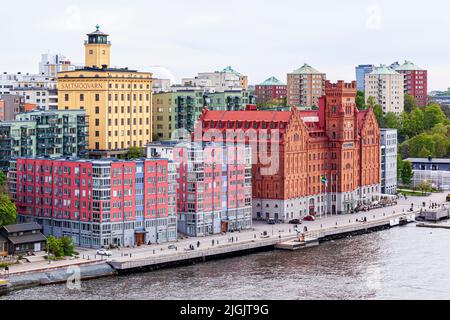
(416, 82)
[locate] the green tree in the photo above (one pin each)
(433, 115)
(405, 131)
(135, 153)
(360, 100)
(407, 173)
(399, 165)
(55, 247)
(7, 211)
(371, 102)
(422, 145)
(67, 246)
(441, 145)
(392, 121)
(378, 111)
(410, 102)
(424, 186)
(3, 182)
(417, 121)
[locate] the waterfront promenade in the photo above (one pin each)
(233, 241)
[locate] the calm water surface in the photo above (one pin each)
(401, 263)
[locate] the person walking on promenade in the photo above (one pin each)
(198, 244)
(213, 242)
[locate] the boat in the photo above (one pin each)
(5, 285)
(403, 221)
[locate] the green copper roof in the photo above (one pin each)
(272, 81)
(306, 69)
(409, 66)
(229, 69)
(383, 69)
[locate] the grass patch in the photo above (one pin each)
(3, 265)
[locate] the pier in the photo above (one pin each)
(283, 241)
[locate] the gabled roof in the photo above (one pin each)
(306, 69)
(272, 81)
(23, 227)
(409, 66)
(29, 238)
(249, 116)
(383, 69)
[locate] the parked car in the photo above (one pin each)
(309, 218)
(295, 221)
(103, 252)
(271, 221)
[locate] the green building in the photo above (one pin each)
(59, 133)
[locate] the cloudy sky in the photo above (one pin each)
(259, 38)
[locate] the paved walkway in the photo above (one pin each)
(284, 230)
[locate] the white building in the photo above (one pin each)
(51, 64)
(387, 87)
(388, 142)
(218, 81)
(435, 171)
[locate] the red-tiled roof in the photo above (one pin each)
(258, 116)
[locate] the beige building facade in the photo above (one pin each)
(305, 86)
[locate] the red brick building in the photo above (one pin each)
(416, 82)
(270, 90)
(303, 147)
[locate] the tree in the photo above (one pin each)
(410, 102)
(67, 246)
(424, 186)
(135, 153)
(392, 121)
(378, 111)
(54, 247)
(62, 247)
(371, 102)
(360, 100)
(422, 146)
(407, 173)
(7, 211)
(3, 182)
(399, 165)
(433, 115)
(417, 121)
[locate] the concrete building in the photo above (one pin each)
(361, 72)
(118, 102)
(387, 87)
(161, 85)
(11, 105)
(415, 82)
(97, 203)
(43, 133)
(178, 109)
(214, 186)
(227, 79)
(227, 100)
(336, 142)
(436, 171)
(305, 86)
(270, 90)
(51, 64)
(388, 142)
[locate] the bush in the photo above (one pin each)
(62, 247)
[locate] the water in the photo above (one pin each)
(401, 263)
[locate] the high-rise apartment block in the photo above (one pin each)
(305, 86)
(386, 86)
(361, 72)
(415, 82)
(270, 90)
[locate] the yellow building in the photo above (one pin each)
(118, 102)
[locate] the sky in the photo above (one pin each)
(259, 38)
